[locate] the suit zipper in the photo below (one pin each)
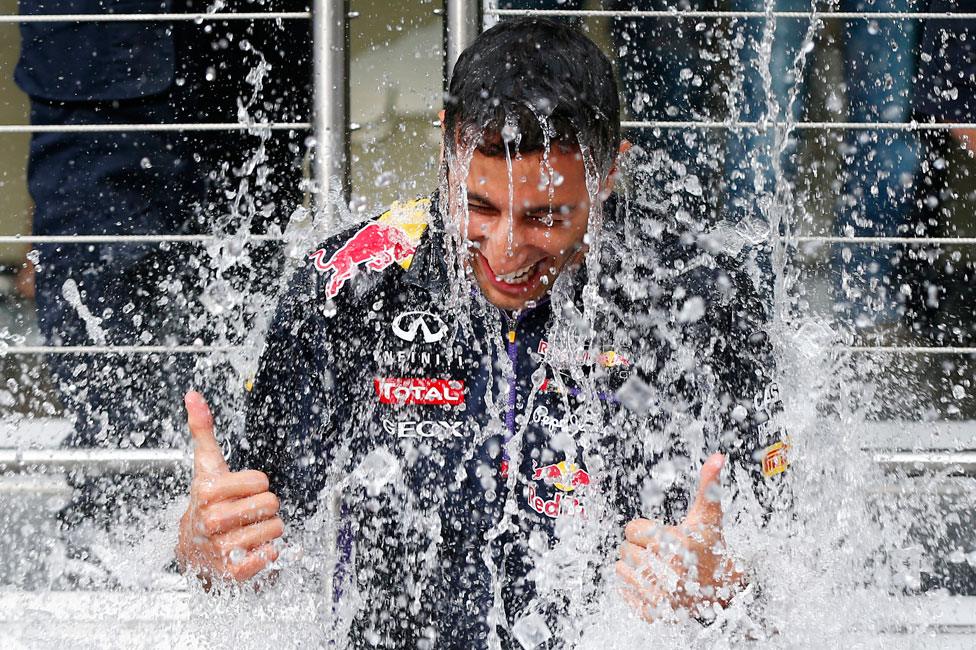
(512, 348)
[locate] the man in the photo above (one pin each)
(485, 389)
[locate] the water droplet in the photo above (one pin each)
(693, 185)
(385, 179)
(635, 395)
(509, 132)
(237, 555)
(692, 310)
(145, 163)
(357, 204)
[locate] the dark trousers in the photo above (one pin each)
(123, 294)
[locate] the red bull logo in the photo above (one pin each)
(566, 477)
(376, 246)
(608, 359)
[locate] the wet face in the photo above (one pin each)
(520, 242)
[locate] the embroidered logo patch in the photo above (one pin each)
(410, 323)
(391, 239)
(376, 246)
(566, 477)
(410, 390)
(774, 459)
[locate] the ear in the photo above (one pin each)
(440, 156)
(611, 179)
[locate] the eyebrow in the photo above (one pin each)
(556, 207)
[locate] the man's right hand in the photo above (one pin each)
(228, 528)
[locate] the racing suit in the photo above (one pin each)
(463, 444)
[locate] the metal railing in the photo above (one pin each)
(154, 18)
(143, 461)
(694, 13)
(330, 105)
(129, 461)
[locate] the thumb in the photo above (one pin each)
(707, 508)
(207, 456)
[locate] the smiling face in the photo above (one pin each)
(546, 222)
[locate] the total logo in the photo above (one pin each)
(421, 391)
(567, 478)
(410, 323)
(440, 429)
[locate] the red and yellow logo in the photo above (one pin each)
(774, 459)
(566, 477)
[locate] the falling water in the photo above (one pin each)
(832, 563)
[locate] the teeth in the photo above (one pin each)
(517, 276)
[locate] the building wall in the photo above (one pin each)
(15, 204)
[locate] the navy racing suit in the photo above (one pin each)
(482, 464)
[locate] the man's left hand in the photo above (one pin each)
(685, 566)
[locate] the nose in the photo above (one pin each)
(494, 241)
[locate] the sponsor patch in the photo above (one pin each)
(568, 479)
(421, 391)
(774, 459)
(393, 238)
(607, 359)
(440, 429)
(375, 246)
(409, 324)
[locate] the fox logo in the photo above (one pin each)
(377, 245)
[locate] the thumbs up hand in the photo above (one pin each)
(685, 566)
(227, 529)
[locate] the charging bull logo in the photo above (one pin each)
(376, 245)
(567, 478)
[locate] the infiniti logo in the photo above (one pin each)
(407, 324)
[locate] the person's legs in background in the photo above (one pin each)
(769, 83)
(253, 180)
(772, 88)
(667, 69)
(111, 294)
(147, 294)
(880, 166)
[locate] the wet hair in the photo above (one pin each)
(529, 74)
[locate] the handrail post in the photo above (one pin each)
(462, 24)
(330, 109)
